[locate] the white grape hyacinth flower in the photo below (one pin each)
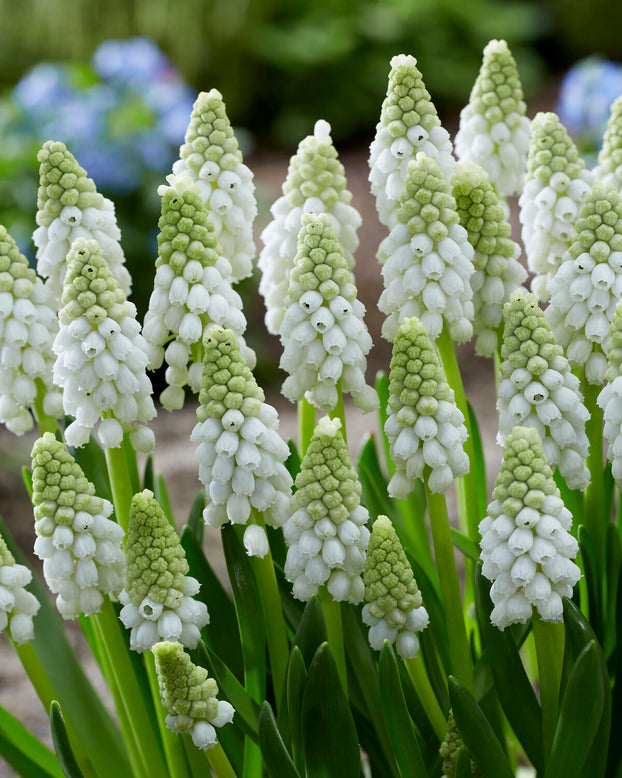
(18, 606)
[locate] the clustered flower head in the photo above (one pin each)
(17, 606)
(325, 340)
(430, 260)
(610, 398)
(527, 548)
(80, 545)
(424, 427)
(28, 324)
(101, 356)
(408, 124)
(70, 208)
(556, 186)
(497, 269)
(394, 607)
(609, 168)
(189, 696)
(586, 288)
(192, 291)
(494, 131)
(211, 156)
(240, 453)
(326, 532)
(450, 748)
(537, 389)
(315, 183)
(158, 599)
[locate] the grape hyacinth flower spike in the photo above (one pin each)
(497, 269)
(79, 544)
(610, 397)
(430, 260)
(588, 284)
(17, 605)
(28, 324)
(240, 453)
(70, 208)
(326, 531)
(189, 696)
(325, 340)
(212, 158)
(408, 125)
(192, 291)
(101, 356)
(527, 548)
(394, 607)
(538, 389)
(315, 183)
(556, 186)
(158, 599)
(424, 426)
(494, 131)
(609, 167)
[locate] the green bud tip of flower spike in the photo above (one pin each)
(551, 150)
(427, 204)
(16, 276)
(408, 102)
(610, 155)
(497, 91)
(210, 137)
(6, 557)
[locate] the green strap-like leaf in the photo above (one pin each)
(275, 755)
(399, 725)
(61, 743)
(23, 751)
(311, 631)
(296, 682)
(195, 517)
(477, 734)
(330, 741)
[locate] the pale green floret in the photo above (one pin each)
(497, 91)
(6, 557)
(525, 477)
(62, 182)
(315, 171)
(210, 137)
(427, 204)
(16, 276)
(156, 561)
(610, 155)
(388, 578)
(614, 346)
(185, 688)
(59, 486)
(551, 150)
(186, 233)
(408, 102)
(227, 382)
(450, 748)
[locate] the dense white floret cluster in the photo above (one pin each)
(28, 324)
(192, 291)
(537, 389)
(408, 125)
(494, 131)
(326, 531)
(212, 158)
(315, 183)
(556, 186)
(70, 208)
(79, 544)
(609, 167)
(527, 548)
(240, 453)
(424, 426)
(325, 340)
(610, 397)
(101, 357)
(429, 262)
(158, 599)
(17, 605)
(588, 284)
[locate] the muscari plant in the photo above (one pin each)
(360, 631)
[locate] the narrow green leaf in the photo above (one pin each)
(132, 465)
(195, 517)
(224, 642)
(27, 476)
(463, 764)
(573, 498)
(330, 740)
(374, 496)
(399, 725)
(614, 566)
(161, 495)
(61, 743)
(24, 752)
(296, 681)
(615, 741)
(512, 685)
(92, 460)
(477, 734)
(311, 630)
(594, 584)
(275, 755)
(382, 389)
(292, 463)
(149, 476)
(464, 544)
(579, 716)
(479, 464)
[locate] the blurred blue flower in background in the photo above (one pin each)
(585, 96)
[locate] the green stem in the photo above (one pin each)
(428, 699)
(120, 483)
(306, 425)
(339, 412)
(219, 763)
(594, 515)
(459, 652)
(276, 636)
(45, 423)
(549, 639)
(334, 630)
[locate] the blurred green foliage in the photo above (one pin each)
(282, 64)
